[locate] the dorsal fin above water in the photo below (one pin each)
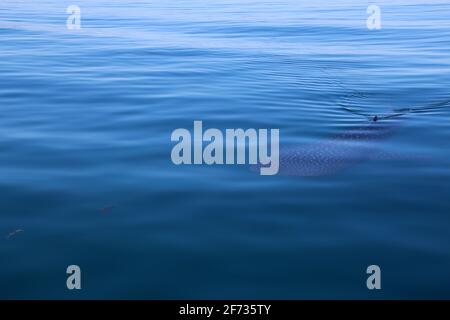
(353, 94)
(399, 112)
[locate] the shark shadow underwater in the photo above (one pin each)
(348, 148)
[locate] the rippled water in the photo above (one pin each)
(86, 122)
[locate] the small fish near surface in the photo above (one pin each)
(14, 233)
(106, 209)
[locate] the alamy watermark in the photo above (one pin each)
(234, 146)
(74, 20)
(374, 280)
(74, 278)
(374, 20)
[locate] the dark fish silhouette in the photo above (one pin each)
(347, 148)
(14, 233)
(106, 209)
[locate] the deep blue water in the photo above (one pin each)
(86, 122)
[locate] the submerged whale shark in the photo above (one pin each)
(335, 153)
(348, 148)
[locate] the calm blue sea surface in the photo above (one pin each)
(87, 115)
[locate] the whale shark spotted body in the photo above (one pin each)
(345, 149)
(336, 153)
